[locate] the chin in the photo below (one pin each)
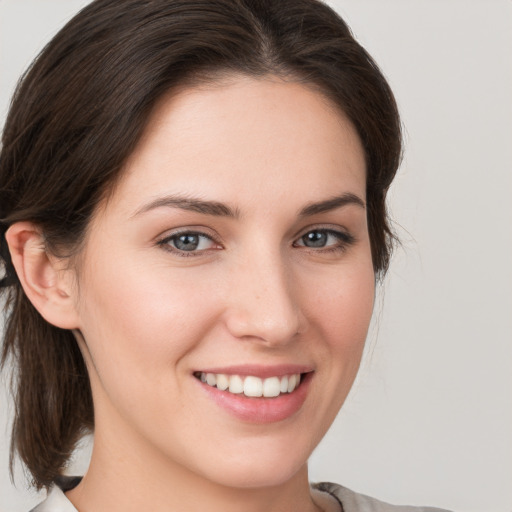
(252, 476)
(250, 464)
(255, 468)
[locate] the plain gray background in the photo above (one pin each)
(430, 418)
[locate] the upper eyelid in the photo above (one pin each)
(323, 227)
(164, 242)
(203, 231)
(171, 233)
(342, 235)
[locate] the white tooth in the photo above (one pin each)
(211, 380)
(284, 384)
(271, 387)
(253, 386)
(203, 377)
(236, 384)
(222, 382)
(292, 380)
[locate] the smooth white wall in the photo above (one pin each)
(430, 418)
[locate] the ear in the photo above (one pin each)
(48, 284)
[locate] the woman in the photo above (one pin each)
(193, 220)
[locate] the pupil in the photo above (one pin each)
(315, 239)
(187, 242)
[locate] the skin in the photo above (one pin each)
(147, 316)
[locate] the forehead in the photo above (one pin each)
(246, 139)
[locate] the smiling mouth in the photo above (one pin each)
(250, 385)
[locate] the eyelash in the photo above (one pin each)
(165, 243)
(344, 241)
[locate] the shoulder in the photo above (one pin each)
(56, 500)
(354, 502)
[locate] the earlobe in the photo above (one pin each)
(45, 280)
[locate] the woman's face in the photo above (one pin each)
(234, 249)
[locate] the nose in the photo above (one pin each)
(264, 302)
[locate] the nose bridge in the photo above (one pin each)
(263, 304)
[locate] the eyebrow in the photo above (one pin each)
(218, 209)
(332, 204)
(191, 204)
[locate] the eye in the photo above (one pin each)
(188, 242)
(325, 239)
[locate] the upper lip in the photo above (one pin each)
(262, 371)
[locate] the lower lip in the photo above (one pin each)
(260, 410)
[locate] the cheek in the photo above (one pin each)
(340, 314)
(137, 321)
(342, 306)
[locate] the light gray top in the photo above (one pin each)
(349, 501)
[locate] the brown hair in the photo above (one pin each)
(78, 113)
